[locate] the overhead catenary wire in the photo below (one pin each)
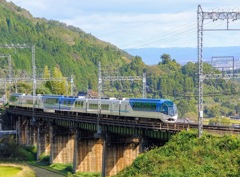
(171, 36)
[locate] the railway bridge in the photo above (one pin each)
(71, 137)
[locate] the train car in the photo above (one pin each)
(161, 109)
(57, 102)
(15, 99)
(108, 106)
(23, 100)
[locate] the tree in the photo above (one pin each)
(237, 108)
(60, 86)
(166, 58)
(47, 75)
(182, 107)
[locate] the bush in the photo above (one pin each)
(44, 159)
(10, 150)
(187, 155)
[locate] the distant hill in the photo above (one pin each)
(151, 56)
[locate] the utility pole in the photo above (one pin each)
(9, 78)
(214, 16)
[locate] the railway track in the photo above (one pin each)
(115, 121)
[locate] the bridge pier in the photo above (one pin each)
(107, 155)
(43, 139)
(75, 150)
(33, 135)
(88, 155)
(62, 145)
(23, 132)
(120, 154)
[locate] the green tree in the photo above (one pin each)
(166, 58)
(59, 86)
(182, 107)
(47, 75)
(237, 108)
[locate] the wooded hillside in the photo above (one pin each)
(66, 50)
(72, 50)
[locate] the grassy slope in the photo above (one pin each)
(186, 155)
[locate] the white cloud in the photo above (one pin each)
(127, 29)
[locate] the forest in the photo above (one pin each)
(62, 51)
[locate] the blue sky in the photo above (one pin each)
(139, 23)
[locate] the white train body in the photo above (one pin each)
(161, 109)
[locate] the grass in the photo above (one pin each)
(8, 171)
(14, 170)
(84, 174)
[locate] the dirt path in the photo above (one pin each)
(40, 172)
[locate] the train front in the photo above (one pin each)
(169, 109)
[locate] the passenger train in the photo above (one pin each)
(142, 108)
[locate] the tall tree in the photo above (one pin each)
(166, 58)
(47, 75)
(59, 86)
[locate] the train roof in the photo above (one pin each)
(148, 100)
(16, 94)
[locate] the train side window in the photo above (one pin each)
(93, 106)
(79, 104)
(51, 100)
(144, 106)
(105, 107)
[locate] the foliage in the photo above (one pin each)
(83, 174)
(187, 155)
(10, 150)
(62, 167)
(44, 159)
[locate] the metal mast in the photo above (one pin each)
(213, 15)
(34, 73)
(144, 86)
(9, 79)
(71, 82)
(21, 46)
(200, 69)
(99, 97)
(33, 66)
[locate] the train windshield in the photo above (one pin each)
(169, 108)
(172, 111)
(14, 98)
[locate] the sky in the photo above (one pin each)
(140, 23)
